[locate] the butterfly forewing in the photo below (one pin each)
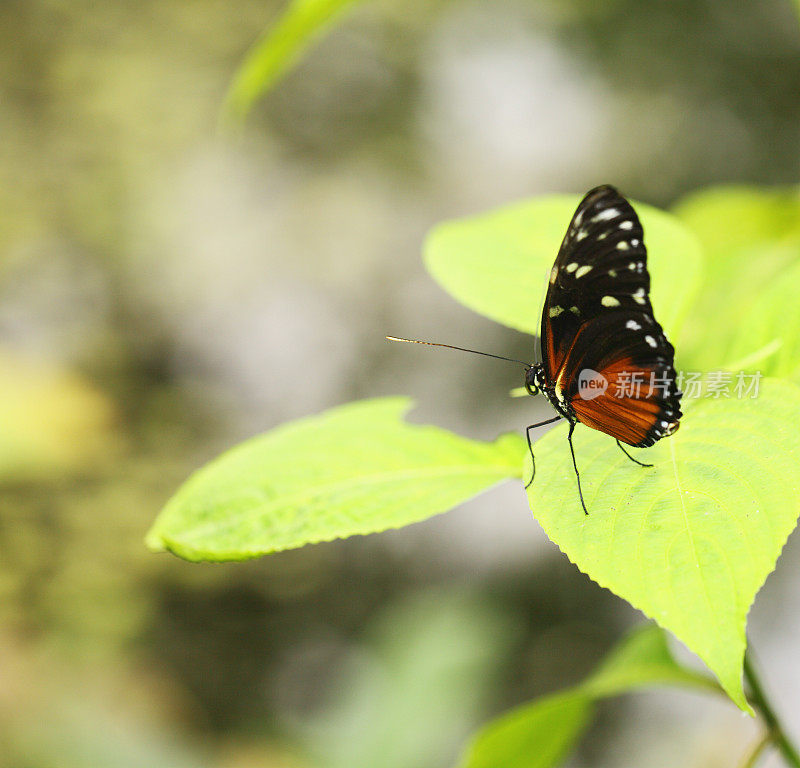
(597, 319)
(602, 263)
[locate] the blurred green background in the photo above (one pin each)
(166, 291)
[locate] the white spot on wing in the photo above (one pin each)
(609, 301)
(556, 311)
(572, 267)
(626, 225)
(608, 213)
(553, 275)
(640, 296)
(632, 325)
(622, 246)
(651, 341)
(584, 270)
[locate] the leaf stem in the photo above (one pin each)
(752, 757)
(760, 701)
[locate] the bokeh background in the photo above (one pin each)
(166, 291)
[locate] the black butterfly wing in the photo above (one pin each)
(601, 264)
(598, 317)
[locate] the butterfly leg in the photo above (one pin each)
(530, 445)
(635, 461)
(575, 464)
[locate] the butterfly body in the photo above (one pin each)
(536, 381)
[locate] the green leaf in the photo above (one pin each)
(771, 324)
(278, 49)
(751, 238)
(690, 541)
(542, 733)
(536, 735)
(731, 220)
(353, 470)
(497, 263)
(642, 658)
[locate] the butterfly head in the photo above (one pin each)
(534, 379)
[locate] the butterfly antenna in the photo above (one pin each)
(460, 349)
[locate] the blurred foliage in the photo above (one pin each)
(280, 46)
(405, 699)
(53, 422)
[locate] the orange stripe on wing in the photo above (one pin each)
(626, 418)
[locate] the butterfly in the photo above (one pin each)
(606, 361)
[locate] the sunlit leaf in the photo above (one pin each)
(352, 470)
(731, 220)
(771, 324)
(51, 420)
(497, 263)
(690, 541)
(751, 238)
(542, 733)
(278, 50)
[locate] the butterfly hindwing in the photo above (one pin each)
(640, 402)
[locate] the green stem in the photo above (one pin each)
(759, 700)
(752, 758)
